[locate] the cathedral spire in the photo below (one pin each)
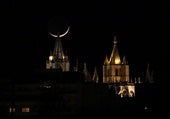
(57, 60)
(58, 49)
(115, 58)
(86, 73)
(106, 61)
(95, 76)
(124, 60)
(149, 75)
(115, 41)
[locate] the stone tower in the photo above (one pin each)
(57, 58)
(115, 70)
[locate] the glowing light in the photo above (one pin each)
(25, 109)
(50, 58)
(145, 108)
(117, 61)
(127, 91)
(11, 109)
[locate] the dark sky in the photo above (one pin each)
(142, 30)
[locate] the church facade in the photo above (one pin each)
(116, 73)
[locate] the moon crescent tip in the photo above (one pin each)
(65, 32)
(53, 35)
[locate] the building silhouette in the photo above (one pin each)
(58, 92)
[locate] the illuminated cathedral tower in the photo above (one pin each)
(57, 58)
(115, 71)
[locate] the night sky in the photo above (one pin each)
(142, 30)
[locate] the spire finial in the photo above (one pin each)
(115, 41)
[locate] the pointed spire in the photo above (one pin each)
(95, 76)
(58, 34)
(58, 60)
(75, 68)
(149, 75)
(106, 61)
(124, 60)
(131, 81)
(135, 80)
(115, 41)
(58, 49)
(139, 80)
(86, 73)
(115, 58)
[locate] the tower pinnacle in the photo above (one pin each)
(115, 41)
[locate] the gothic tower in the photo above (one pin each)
(115, 71)
(57, 58)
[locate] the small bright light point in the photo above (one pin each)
(145, 108)
(50, 58)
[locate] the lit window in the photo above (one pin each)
(25, 109)
(117, 60)
(11, 109)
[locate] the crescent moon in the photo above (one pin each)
(56, 36)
